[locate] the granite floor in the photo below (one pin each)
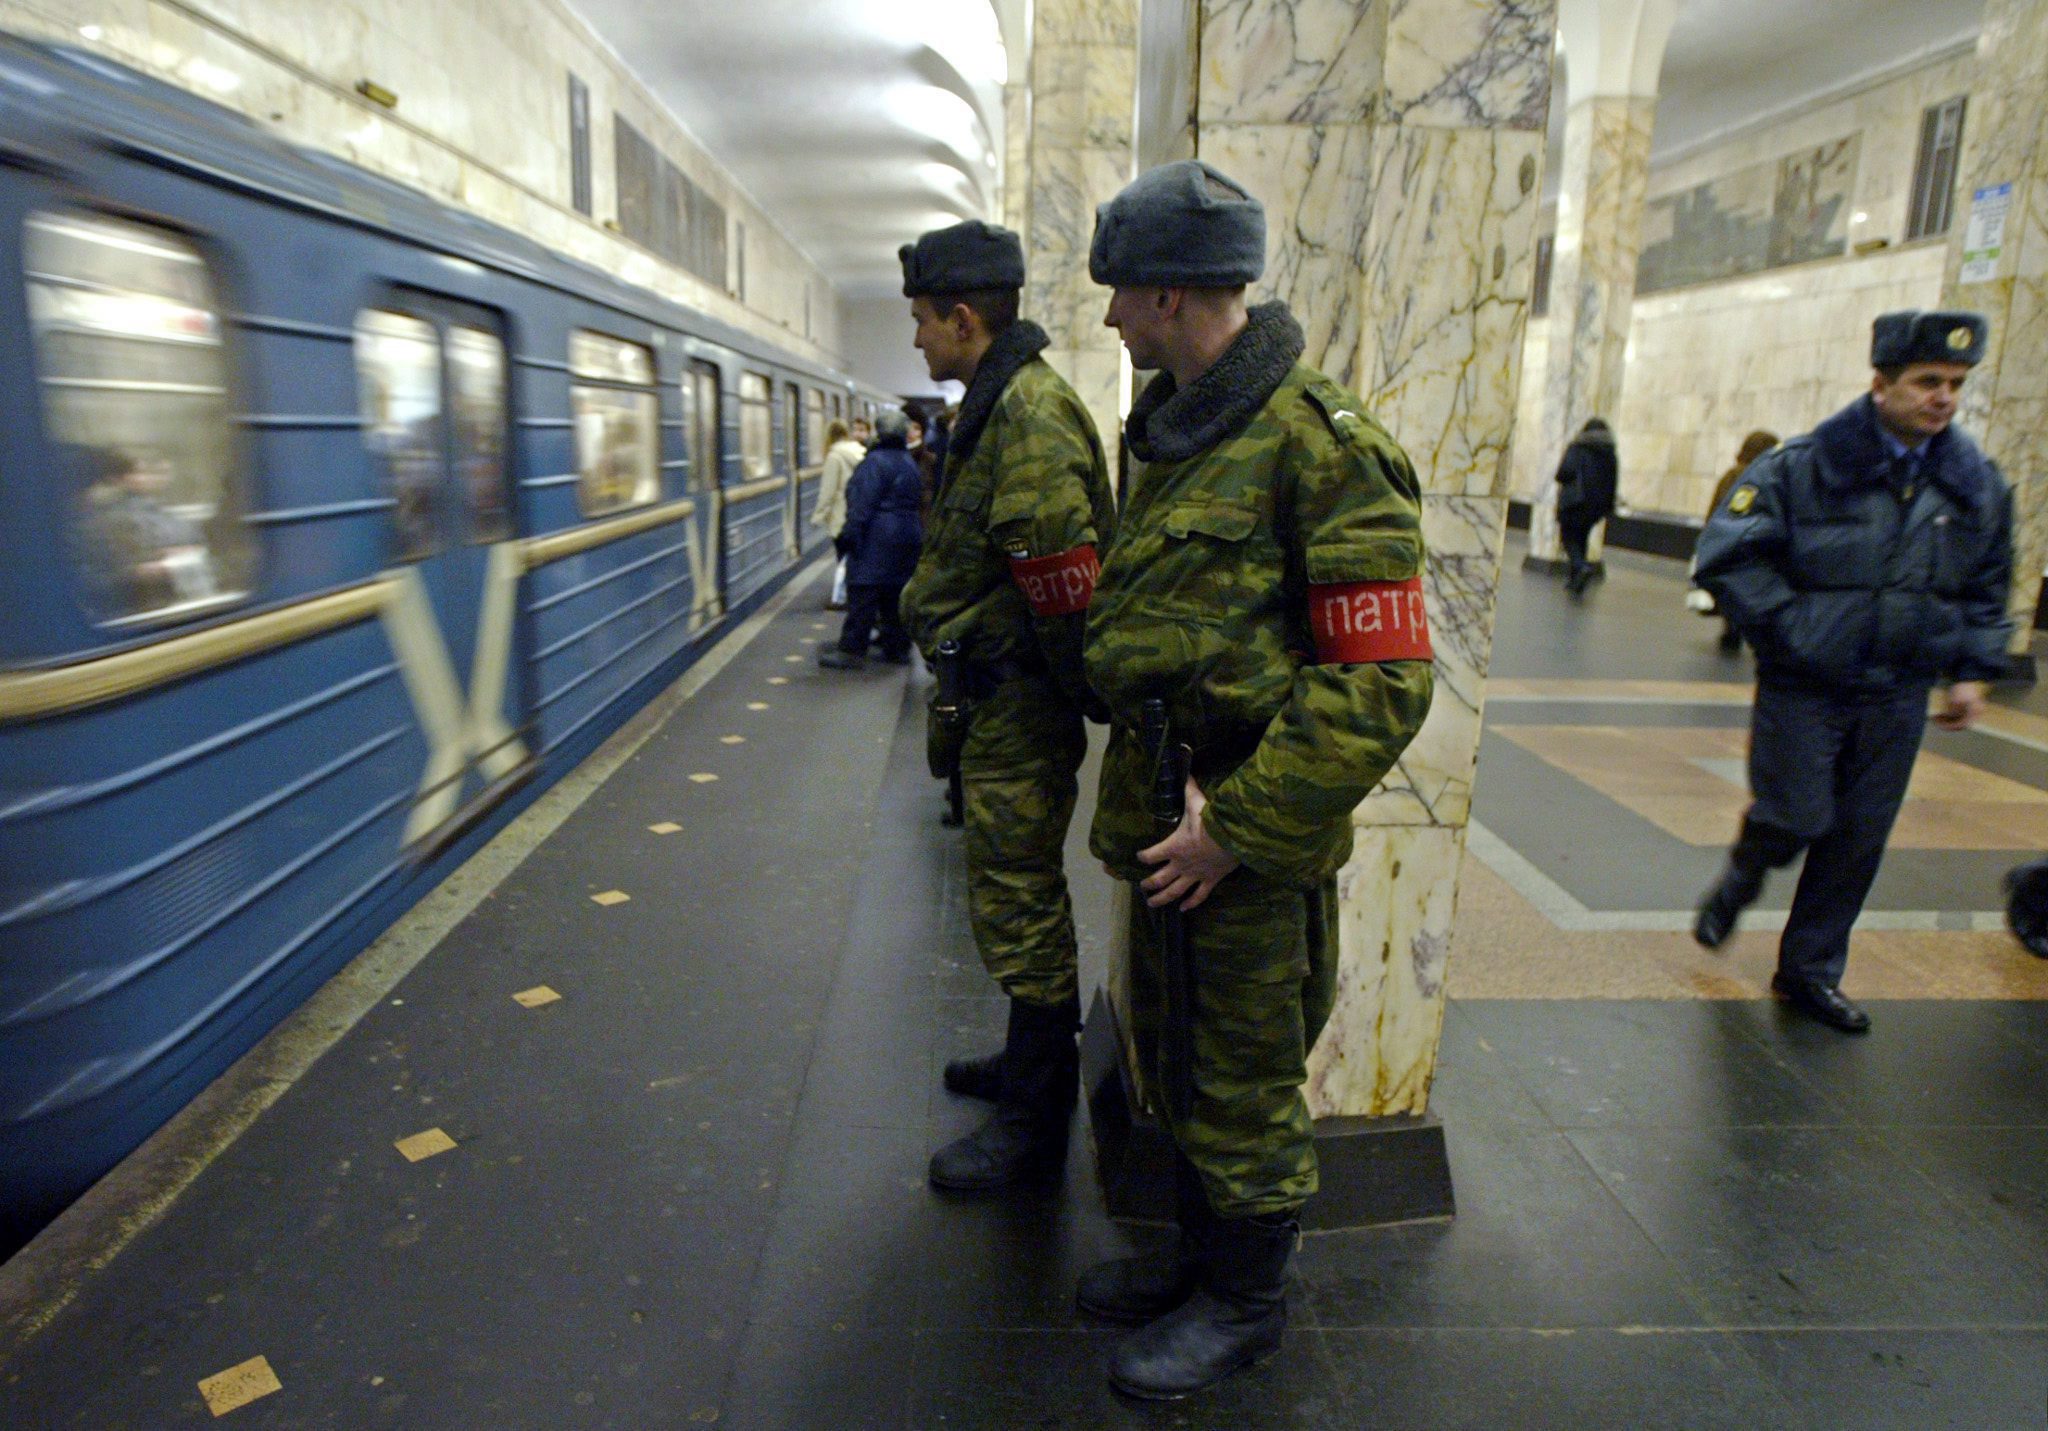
(690, 1190)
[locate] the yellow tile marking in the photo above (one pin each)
(809, 641)
(757, 705)
(703, 777)
(610, 897)
(239, 1385)
(423, 1145)
(666, 827)
(778, 680)
(536, 996)
(732, 740)
(817, 626)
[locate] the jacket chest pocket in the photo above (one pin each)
(1210, 559)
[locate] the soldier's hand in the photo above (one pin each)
(1965, 706)
(1190, 863)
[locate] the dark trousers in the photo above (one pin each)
(1829, 774)
(871, 607)
(1575, 532)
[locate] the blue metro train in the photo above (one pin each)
(338, 524)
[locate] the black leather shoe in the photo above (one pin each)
(1236, 1318)
(1823, 1003)
(1026, 1139)
(832, 658)
(1733, 892)
(976, 1077)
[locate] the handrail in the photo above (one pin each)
(554, 546)
(758, 487)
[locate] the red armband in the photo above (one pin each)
(1361, 621)
(1058, 585)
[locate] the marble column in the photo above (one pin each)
(1398, 148)
(1016, 203)
(1613, 51)
(2006, 402)
(1083, 83)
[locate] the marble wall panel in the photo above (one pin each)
(1017, 157)
(1081, 96)
(1396, 898)
(1290, 61)
(1470, 63)
(1432, 782)
(1316, 182)
(1448, 261)
(1168, 33)
(1085, 22)
(1066, 185)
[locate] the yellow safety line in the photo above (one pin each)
(58, 690)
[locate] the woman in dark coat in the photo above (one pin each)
(1586, 480)
(880, 541)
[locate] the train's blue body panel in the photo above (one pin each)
(180, 867)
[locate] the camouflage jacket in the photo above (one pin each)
(1249, 524)
(1025, 501)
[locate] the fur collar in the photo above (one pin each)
(1853, 454)
(1168, 424)
(1012, 349)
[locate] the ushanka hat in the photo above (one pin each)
(1182, 225)
(1909, 336)
(966, 258)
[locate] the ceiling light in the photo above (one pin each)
(91, 32)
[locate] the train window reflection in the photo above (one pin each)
(814, 426)
(398, 369)
(756, 445)
(613, 400)
(134, 381)
(476, 393)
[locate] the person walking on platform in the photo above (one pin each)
(1008, 568)
(880, 541)
(1266, 586)
(1753, 446)
(1587, 477)
(1864, 563)
(842, 455)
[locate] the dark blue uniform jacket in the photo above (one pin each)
(883, 531)
(1852, 579)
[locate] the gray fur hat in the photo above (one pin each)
(891, 422)
(1910, 336)
(965, 258)
(1182, 225)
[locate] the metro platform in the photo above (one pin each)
(690, 1190)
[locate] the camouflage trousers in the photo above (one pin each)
(1017, 771)
(1264, 957)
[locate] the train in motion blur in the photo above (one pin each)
(338, 524)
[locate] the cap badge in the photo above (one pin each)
(1959, 339)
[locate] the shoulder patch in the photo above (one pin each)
(1742, 499)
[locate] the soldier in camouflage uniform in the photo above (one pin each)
(1266, 582)
(1008, 566)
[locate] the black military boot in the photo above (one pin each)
(976, 1077)
(1235, 1318)
(1041, 1080)
(1137, 1289)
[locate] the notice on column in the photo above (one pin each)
(1984, 240)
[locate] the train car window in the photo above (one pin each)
(700, 418)
(476, 399)
(398, 370)
(838, 409)
(612, 397)
(814, 425)
(756, 458)
(133, 365)
(792, 419)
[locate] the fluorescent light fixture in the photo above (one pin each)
(91, 32)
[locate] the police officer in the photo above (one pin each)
(1864, 562)
(1266, 583)
(1008, 566)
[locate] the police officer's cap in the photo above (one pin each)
(966, 258)
(1182, 225)
(1909, 336)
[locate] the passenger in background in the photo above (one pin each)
(1753, 446)
(842, 455)
(1586, 481)
(927, 466)
(879, 542)
(863, 433)
(1865, 562)
(138, 554)
(938, 433)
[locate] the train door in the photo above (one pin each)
(432, 378)
(792, 421)
(700, 430)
